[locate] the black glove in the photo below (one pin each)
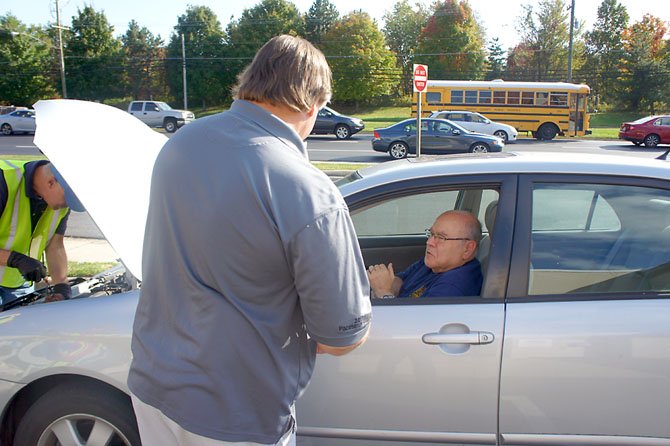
(63, 289)
(32, 269)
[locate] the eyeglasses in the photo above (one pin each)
(442, 238)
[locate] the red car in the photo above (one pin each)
(650, 131)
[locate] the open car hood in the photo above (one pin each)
(106, 156)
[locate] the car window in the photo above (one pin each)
(662, 121)
(150, 106)
(457, 117)
(411, 215)
(394, 230)
(478, 119)
(599, 238)
(443, 127)
(136, 106)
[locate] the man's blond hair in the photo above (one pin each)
(287, 71)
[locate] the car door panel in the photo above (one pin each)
(436, 396)
(580, 365)
(401, 251)
(433, 364)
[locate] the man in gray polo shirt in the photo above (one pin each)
(251, 264)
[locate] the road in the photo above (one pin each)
(355, 150)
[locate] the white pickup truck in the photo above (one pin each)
(160, 114)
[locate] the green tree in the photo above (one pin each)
(546, 35)
(402, 27)
(496, 60)
(143, 53)
(320, 17)
(644, 80)
(257, 25)
(452, 43)
(207, 76)
(26, 63)
(604, 49)
(363, 67)
(93, 57)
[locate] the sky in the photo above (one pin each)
(160, 16)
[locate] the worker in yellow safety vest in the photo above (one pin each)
(35, 203)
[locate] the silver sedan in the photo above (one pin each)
(568, 342)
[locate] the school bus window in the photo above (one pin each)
(471, 97)
(527, 97)
(499, 97)
(558, 99)
(513, 97)
(456, 96)
(484, 97)
(541, 98)
(433, 98)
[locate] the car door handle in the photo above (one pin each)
(474, 337)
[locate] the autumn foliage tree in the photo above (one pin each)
(364, 69)
(452, 43)
(644, 75)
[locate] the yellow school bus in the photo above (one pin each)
(545, 109)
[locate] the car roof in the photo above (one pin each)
(507, 162)
(457, 111)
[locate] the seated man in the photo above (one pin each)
(449, 267)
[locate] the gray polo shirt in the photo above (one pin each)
(249, 257)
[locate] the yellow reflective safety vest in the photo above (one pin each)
(16, 232)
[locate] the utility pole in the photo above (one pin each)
(183, 69)
(572, 29)
(60, 47)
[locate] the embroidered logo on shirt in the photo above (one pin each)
(418, 292)
(356, 324)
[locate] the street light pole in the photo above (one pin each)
(183, 70)
(60, 47)
(572, 28)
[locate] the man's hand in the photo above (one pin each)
(61, 291)
(381, 279)
(31, 269)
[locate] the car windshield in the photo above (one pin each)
(163, 106)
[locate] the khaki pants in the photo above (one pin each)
(157, 429)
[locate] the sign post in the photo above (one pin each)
(419, 83)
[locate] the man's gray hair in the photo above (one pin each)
(287, 71)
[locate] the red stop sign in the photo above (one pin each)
(420, 77)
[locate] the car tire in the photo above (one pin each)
(502, 135)
(342, 132)
(74, 411)
(170, 125)
(398, 150)
(6, 129)
(547, 132)
(651, 140)
(479, 147)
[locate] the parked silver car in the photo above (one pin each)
(478, 123)
(18, 121)
(568, 343)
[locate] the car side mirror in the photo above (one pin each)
(456, 132)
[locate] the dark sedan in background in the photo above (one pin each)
(438, 136)
(329, 122)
